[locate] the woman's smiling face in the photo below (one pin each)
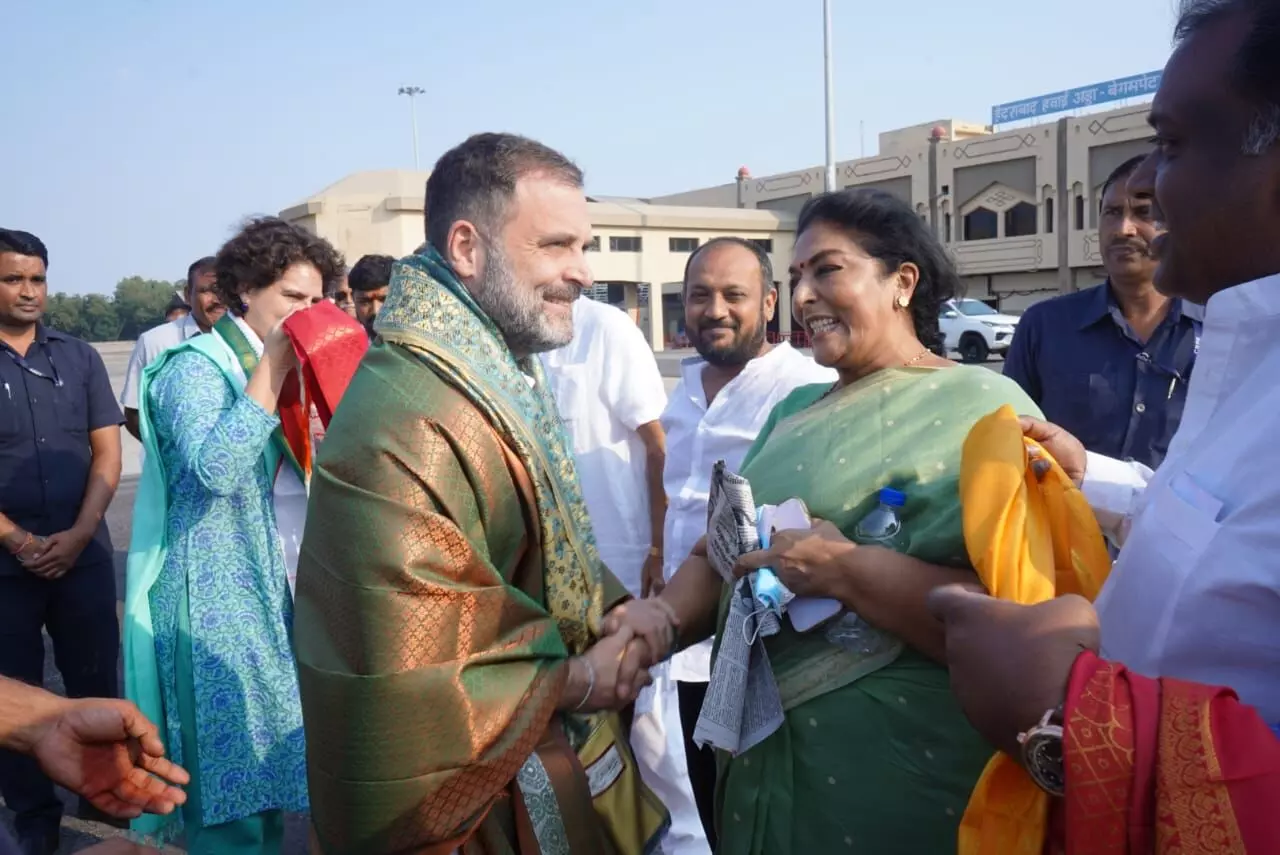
(846, 300)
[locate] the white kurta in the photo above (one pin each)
(1195, 593)
(149, 345)
(606, 384)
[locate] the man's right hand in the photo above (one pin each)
(110, 754)
(1062, 446)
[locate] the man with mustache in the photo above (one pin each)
(1111, 363)
(369, 281)
(456, 689)
(59, 468)
(724, 396)
(205, 311)
(1154, 713)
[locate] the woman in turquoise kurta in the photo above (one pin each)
(219, 512)
(873, 755)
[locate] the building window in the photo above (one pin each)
(682, 244)
(765, 244)
(594, 245)
(981, 224)
(1079, 212)
(624, 244)
(946, 225)
(1020, 220)
(1048, 215)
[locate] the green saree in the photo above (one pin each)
(872, 757)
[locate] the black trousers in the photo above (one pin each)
(701, 761)
(79, 610)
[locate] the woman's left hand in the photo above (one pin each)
(807, 562)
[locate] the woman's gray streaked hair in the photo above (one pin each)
(1257, 72)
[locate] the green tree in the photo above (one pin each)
(63, 312)
(136, 306)
(100, 321)
(140, 304)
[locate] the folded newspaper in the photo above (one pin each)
(743, 706)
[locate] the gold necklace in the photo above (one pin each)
(919, 356)
(912, 361)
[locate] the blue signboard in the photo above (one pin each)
(1137, 86)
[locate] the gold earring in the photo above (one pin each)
(903, 301)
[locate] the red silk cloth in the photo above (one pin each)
(1165, 766)
(329, 344)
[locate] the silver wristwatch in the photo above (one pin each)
(1042, 752)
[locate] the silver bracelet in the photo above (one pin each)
(591, 683)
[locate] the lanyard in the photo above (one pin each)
(22, 363)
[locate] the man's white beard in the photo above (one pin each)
(517, 311)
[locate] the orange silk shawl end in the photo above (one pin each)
(1029, 539)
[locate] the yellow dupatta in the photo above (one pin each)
(1029, 539)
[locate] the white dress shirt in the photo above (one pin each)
(149, 345)
(606, 384)
(1195, 593)
(698, 435)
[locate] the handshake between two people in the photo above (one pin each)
(637, 635)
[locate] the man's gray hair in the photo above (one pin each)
(1256, 75)
(476, 180)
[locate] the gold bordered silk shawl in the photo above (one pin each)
(430, 313)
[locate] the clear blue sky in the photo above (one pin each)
(137, 133)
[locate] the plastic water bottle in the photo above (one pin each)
(881, 527)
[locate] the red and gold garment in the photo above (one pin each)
(1165, 766)
(329, 345)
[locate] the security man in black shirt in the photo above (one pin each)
(59, 468)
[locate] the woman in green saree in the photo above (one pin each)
(874, 754)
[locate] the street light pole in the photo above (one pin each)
(831, 107)
(412, 92)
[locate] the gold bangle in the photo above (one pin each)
(655, 552)
(591, 683)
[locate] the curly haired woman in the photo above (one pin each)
(219, 516)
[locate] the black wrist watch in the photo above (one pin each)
(1042, 752)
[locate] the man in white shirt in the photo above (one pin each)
(205, 311)
(1195, 593)
(610, 395)
(724, 397)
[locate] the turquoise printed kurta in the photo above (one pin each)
(225, 561)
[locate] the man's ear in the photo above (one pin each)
(464, 250)
(770, 302)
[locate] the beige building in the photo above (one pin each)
(636, 245)
(1018, 210)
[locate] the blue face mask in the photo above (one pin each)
(769, 592)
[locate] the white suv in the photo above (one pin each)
(974, 329)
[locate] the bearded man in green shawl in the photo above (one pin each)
(450, 597)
